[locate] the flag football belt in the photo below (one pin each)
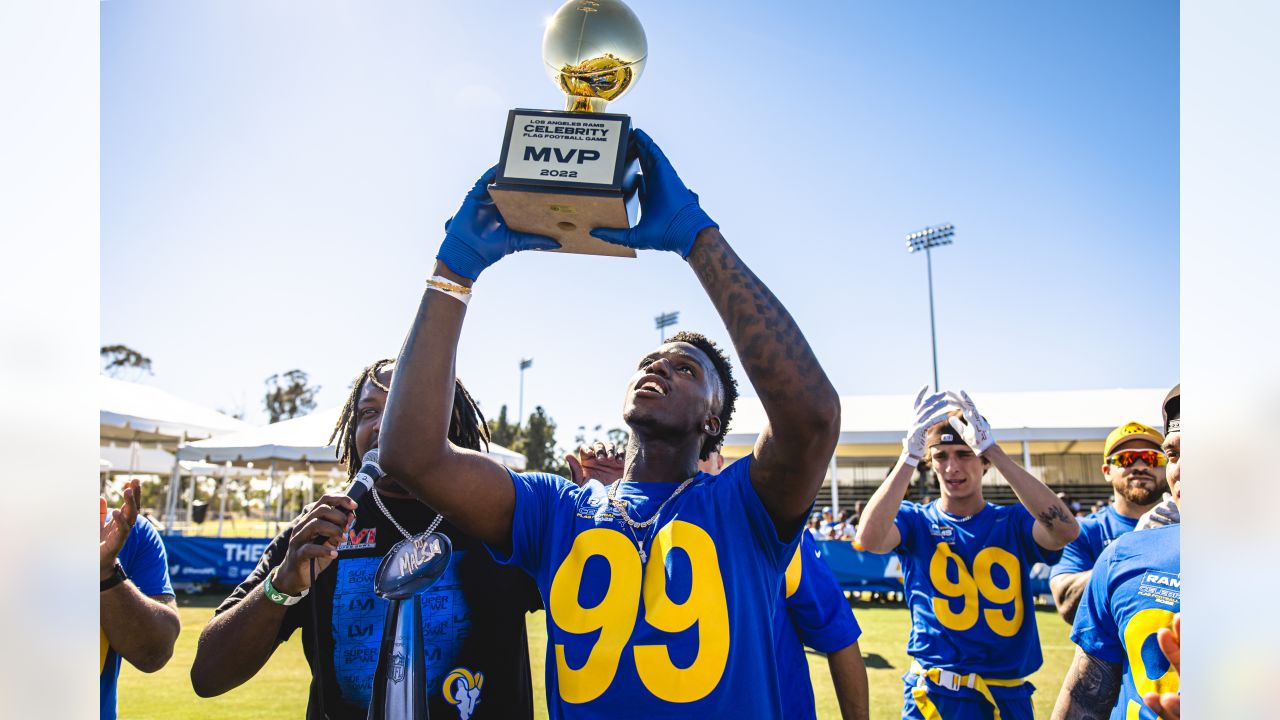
(954, 681)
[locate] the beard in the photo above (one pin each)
(1141, 495)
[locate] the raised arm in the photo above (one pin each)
(803, 410)
(877, 532)
(470, 489)
(1055, 526)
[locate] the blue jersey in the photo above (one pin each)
(1096, 533)
(687, 632)
(144, 561)
(814, 612)
(967, 582)
(1135, 590)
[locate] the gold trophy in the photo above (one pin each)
(565, 173)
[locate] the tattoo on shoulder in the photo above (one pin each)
(1055, 512)
(1094, 686)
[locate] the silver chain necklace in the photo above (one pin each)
(432, 528)
(620, 509)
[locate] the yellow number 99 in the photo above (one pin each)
(614, 616)
(706, 606)
(968, 587)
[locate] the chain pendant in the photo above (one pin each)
(643, 555)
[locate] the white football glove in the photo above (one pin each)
(1166, 513)
(977, 433)
(929, 411)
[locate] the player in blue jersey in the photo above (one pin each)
(1134, 466)
(661, 589)
(966, 566)
(814, 611)
(1134, 594)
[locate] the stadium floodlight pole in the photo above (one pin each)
(928, 239)
(664, 321)
(525, 364)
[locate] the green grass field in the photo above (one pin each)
(280, 690)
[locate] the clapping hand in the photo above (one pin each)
(112, 533)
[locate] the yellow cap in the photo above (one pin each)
(1128, 431)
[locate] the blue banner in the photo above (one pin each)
(212, 561)
(228, 561)
(856, 570)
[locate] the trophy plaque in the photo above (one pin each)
(565, 173)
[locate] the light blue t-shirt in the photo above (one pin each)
(1135, 590)
(967, 582)
(146, 563)
(1096, 533)
(814, 612)
(689, 633)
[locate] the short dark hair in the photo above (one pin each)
(724, 369)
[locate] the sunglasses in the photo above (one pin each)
(1127, 458)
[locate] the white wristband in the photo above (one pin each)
(907, 459)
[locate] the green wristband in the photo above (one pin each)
(278, 597)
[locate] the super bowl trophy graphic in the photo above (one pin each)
(565, 173)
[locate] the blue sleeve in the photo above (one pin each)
(1095, 629)
(1031, 550)
(1077, 556)
(734, 487)
(145, 561)
(905, 521)
(818, 608)
(537, 495)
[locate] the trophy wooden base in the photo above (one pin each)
(568, 217)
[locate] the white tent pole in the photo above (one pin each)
(835, 490)
(222, 502)
(271, 476)
(171, 499)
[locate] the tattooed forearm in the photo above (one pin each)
(774, 353)
(1090, 689)
(1055, 512)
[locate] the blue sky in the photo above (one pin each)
(275, 177)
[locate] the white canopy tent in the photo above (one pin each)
(140, 426)
(303, 440)
(283, 446)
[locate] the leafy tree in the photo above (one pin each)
(538, 443)
(289, 396)
(618, 437)
(123, 361)
(502, 432)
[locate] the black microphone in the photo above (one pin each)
(369, 473)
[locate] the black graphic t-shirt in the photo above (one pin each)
(473, 623)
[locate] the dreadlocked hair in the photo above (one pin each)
(725, 370)
(467, 427)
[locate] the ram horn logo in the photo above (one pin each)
(462, 689)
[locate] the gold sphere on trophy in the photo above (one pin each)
(594, 51)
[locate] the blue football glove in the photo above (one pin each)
(477, 237)
(670, 218)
